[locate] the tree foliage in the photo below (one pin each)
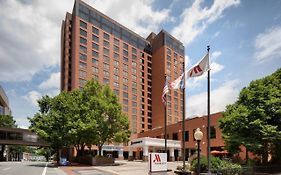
(254, 120)
(90, 116)
(7, 121)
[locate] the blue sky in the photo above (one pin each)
(244, 37)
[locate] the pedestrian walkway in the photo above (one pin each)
(121, 168)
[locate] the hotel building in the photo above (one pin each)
(95, 46)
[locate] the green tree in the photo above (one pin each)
(6, 121)
(90, 116)
(112, 123)
(254, 120)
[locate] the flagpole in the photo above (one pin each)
(209, 120)
(165, 120)
(183, 123)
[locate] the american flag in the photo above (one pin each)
(165, 91)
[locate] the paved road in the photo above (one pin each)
(29, 168)
(91, 172)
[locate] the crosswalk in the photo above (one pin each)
(92, 172)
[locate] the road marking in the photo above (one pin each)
(45, 169)
(5, 169)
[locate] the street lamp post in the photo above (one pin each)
(198, 135)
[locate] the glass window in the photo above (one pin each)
(125, 67)
(125, 80)
(186, 136)
(95, 46)
(83, 49)
(116, 48)
(95, 54)
(106, 51)
(116, 77)
(105, 81)
(83, 32)
(106, 74)
(82, 82)
(116, 55)
(106, 66)
(116, 63)
(82, 65)
(134, 50)
(95, 70)
(83, 57)
(125, 53)
(134, 64)
(115, 70)
(116, 41)
(105, 36)
(83, 41)
(125, 87)
(125, 74)
(82, 74)
(95, 38)
(134, 57)
(83, 24)
(125, 46)
(95, 30)
(106, 59)
(168, 51)
(105, 43)
(95, 62)
(125, 59)
(125, 94)
(116, 85)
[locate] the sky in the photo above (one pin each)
(244, 36)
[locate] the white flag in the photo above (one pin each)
(201, 67)
(176, 84)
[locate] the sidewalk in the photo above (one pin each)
(122, 168)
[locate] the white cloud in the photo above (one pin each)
(220, 97)
(195, 19)
(52, 82)
(30, 37)
(268, 45)
(139, 16)
(32, 97)
(215, 55)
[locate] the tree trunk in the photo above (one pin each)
(58, 154)
(100, 147)
(265, 154)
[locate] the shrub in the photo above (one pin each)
(217, 165)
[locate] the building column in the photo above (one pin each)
(120, 154)
(180, 154)
(172, 154)
(7, 153)
(145, 153)
(131, 156)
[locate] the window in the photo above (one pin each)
(82, 65)
(125, 74)
(125, 87)
(116, 85)
(83, 49)
(95, 30)
(95, 46)
(95, 54)
(125, 102)
(95, 62)
(105, 43)
(106, 51)
(83, 57)
(134, 70)
(83, 24)
(125, 94)
(106, 36)
(116, 41)
(106, 66)
(95, 38)
(106, 74)
(82, 74)
(106, 59)
(83, 41)
(125, 53)
(175, 136)
(125, 46)
(125, 81)
(116, 55)
(115, 70)
(213, 132)
(134, 57)
(134, 50)
(134, 84)
(125, 67)
(169, 51)
(134, 97)
(116, 63)
(116, 78)
(116, 91)
(83, 32)
(105, 81)
(95, 70)
(134, 64)
(134, 77)
(134, 104)
(82, 82)
(125, 59)
(186, 135)
(116, 48)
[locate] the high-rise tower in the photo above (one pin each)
(95, 46)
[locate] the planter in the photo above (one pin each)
(102, 160)
(182, 172)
